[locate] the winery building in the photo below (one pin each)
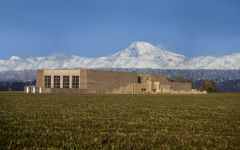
(106, 82)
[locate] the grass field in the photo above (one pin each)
(120, 121)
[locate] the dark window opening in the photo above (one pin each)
(75, 81)
(56, 83)
(65, 81)
(144, 90)
(47, 81)
(139, 79)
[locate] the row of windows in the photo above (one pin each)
(66, 81)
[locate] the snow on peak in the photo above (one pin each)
(137, 55)
(14, 58)
(143, 48)
(147, 50)
(139, 49)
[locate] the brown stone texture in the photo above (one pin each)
(142, 88)
(152, 77)
(98, 81)
(176, 86)
(165, 88)
(83, 79)
(77, 91)
(40, 78)
(109, 80)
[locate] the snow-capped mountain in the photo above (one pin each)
(208, 62)
(145, 55)
(137, 55)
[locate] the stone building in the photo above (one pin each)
(106, 82)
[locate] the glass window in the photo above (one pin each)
(65, 81)
(75, 81)
(47, 81)
(56, 83)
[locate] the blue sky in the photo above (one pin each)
(95, 28)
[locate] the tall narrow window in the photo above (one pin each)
(56, 82)
(75, 81)
(139, 79)
(65, 81)
(47, 81)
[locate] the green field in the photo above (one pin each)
(119, 121)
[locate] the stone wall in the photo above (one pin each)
(83, 79)
(40, 78)
(109, 80)
(165, 88)
(152, 77)
(142, 88)
(123, 90)
(77, 91)
(96, 81)
(178, 86)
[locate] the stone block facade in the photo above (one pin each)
(87, 81)
(109, 80)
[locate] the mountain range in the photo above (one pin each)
(137, 55)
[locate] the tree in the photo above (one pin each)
(208, 85)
